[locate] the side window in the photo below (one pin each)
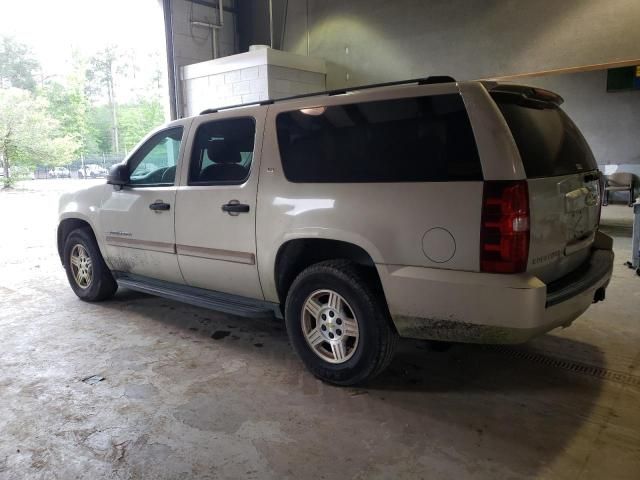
(222, 152)
(422, 139)
(154, 164)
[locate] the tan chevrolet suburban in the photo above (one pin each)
(435, 209)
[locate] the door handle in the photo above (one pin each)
(234, 207)
(159, 205)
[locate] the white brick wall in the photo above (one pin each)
(248, 84)
(250, 73)
(232, 77)
(242, 88)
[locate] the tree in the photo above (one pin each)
(28, 133)
(69, 106)
(17, 67)
(68, 103)
(100, 74)
(136, 120)
(99, 131)
(114, 68)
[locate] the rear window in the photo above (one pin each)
(423, 139)
(549, 142)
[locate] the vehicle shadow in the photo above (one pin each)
(469, 367)
(417, 365)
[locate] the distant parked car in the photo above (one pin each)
(92, 170)
(60, 172)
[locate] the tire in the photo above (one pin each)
(365, 354)
(98, 284)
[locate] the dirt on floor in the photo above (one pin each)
(142, 387)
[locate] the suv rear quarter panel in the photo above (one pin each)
(497, 149)
(393, 222)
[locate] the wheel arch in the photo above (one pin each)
(65, 227)
(297, 254)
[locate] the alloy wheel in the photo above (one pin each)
(81, 267)
(330, 326)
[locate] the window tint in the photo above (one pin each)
(423, 139)
(155, 161)
(222, 152)
(549, 142)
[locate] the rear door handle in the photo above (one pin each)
(159, 205)
(234, 207)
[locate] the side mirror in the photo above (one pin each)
(118, 175)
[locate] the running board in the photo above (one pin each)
(199, 297)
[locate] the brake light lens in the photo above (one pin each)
(504, 236)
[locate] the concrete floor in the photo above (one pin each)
(177, 403)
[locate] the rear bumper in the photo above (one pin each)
(581, 280)
(489, 308)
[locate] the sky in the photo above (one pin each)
(54, 28)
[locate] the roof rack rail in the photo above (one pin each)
(339, 91)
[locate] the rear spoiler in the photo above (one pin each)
(526, 94)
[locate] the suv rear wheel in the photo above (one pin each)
(337, 326)
(87, 273)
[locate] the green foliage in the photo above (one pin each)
(136, 120)
(65, 117)
(29, 135)
(100, 72)
(8, 182)
(69, 106)
(99, 130)
(17, 67)
(92, 125)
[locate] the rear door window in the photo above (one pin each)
(550, 144)
(222, 152)
(422, 139)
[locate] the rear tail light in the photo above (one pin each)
(504, 236)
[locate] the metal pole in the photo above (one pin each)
(635, 244)
(307, 26)
(284, 24)
(214, 29)
(171, 66)
(214, 32)
(271, 23)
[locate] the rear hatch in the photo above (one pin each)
(562, 177)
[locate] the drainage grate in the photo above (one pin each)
(569, 365)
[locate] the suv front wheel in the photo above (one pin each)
(337, 326)
(87, 273)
